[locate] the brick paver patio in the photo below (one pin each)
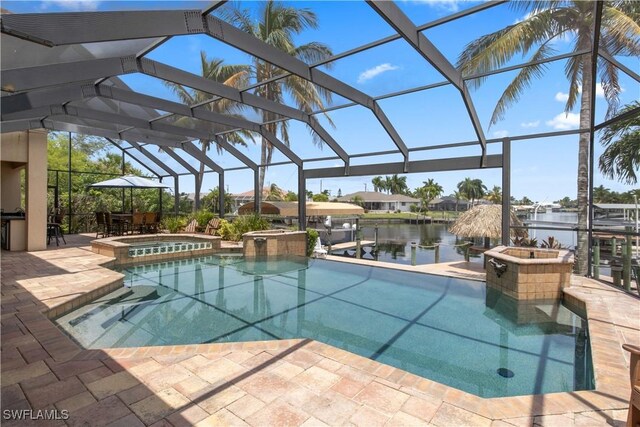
(289, 382)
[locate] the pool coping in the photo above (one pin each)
(610, 365)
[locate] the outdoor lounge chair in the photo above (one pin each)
(191, 227)
(633, 419)
(318, 250)
(212, 226)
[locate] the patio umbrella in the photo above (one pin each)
(485, 221)
(131, 182)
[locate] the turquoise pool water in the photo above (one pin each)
(448, 330)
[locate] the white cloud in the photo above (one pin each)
(562, 97)
(530, 124)
(373, 72)
(564, 121)
(74, 5)
(500, 133)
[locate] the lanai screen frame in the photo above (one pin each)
(43, 94)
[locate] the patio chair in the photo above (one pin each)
(150, 222)
(113, 228)
(101, 225)
(191, 227)
(633, 419)
(212, 226)
(54, 229)
(318, 250)
(137, 222)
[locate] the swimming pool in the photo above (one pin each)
(445, 329)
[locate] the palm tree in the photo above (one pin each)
(378, 183)
(458, 195)
(275, 193)
(545, 22)
(398, 184)
(276, 25)
(602, 194)
(387, 184)
(230, 75)
(472, 189)
(495, 195)
(622, 157)
(429, 191)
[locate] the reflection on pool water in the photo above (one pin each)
(445, 329)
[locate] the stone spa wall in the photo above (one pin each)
(529, 273)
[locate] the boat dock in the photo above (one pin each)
(351, 245)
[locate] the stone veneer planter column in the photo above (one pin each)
(274, 242)
(529, 273)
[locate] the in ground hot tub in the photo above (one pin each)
(529, 273)
(271, 243)
(133, 249)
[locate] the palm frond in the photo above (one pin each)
(573, 71)
(494, 50)
(621, 35)
(521, 82)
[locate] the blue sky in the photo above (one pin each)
(542, 169)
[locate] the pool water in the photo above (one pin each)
(445, 329)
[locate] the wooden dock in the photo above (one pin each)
(351, 245)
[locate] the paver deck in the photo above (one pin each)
(288, 382)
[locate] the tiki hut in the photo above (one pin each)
(485, 221)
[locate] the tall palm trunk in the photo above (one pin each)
(583, 171)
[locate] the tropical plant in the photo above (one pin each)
(275, 193)
(525, 242)
(458, 196)
(210, 201)
(233, 231)
(230, 75)
(320, 197)
(545, 22)
(621, 158)
(357, 200)
(173, 223)
(203, 216)
(276, 25)
(495, 195)
(379, 184)
(291, 197)
(472, 189)
(551, 243)
(429, 191)
(312, 238)
(398, 184)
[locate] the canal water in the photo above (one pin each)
(394, 240)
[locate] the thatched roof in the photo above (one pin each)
(313, 208)
(484, 221)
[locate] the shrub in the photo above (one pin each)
(312, 238)
(203, 217)
(174, 223)
(227, 230)
(242, 224)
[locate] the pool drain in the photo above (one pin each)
(504, 372)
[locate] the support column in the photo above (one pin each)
(506, 191)
(257, 192)
(160, 190)
(302, 199)
(221, 194)
(36, 191)
(196, 202)
(176, 195)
